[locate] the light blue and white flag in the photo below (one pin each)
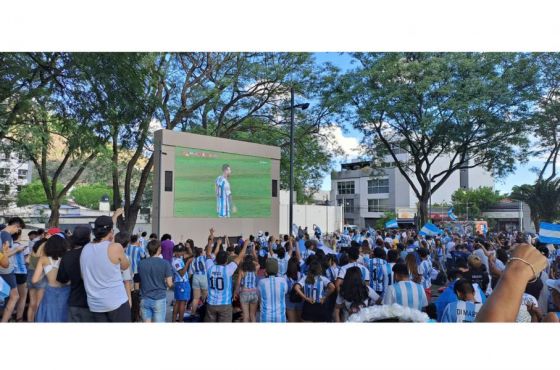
(451, 214)
(391, 224)
(294, 230)
(549, 233)
(430, 229)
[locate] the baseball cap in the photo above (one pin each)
(102, 226)
(54, 230)
(553, 284)
(271, 266)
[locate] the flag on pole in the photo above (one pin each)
(430, 229)
(391, 224)
(451, 214)
(294, 230)
(549, 233)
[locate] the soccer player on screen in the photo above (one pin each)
(224, 205)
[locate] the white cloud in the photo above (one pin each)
(349, 145)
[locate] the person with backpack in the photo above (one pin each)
(354, 295)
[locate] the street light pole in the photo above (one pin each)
(291, 158)
(292, 107)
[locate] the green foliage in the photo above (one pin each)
(543, 199)
(478, 200)
(33, 193)
(88, 195)
(380, 223)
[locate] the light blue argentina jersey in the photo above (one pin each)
(461, 311)
(135, 253)
(332, 273)
(425, 269)
(390, 277)
(273, 291)
(249, 280)
(407, 294)
(317, 290)
(198, 266)
(223, 193)
(363, 269)
(377, 274)
(19, 260)
(282, 264)
(219, 282)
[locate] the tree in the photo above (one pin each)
(58, 116)
(477, 201)
(88, 195)
(470, 109)
(33, 193)
(543, 199)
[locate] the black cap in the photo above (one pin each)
(102, 226)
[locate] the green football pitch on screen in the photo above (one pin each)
(196, 172)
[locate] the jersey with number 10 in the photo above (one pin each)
(219, 282)
(223, 192)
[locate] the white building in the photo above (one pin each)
(366, 194)
(328, 218)
(14, 173)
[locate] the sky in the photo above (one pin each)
(349, 139)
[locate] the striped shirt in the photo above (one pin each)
(282, 264)
(332, 273)
(273, 291)
(390, 275)
(223, 192)
(377, 274)
(461, 311)
(198, 266)
(249, 280)
(343, 269)
(219, 282)
(135, 253)
(407, 294)
(425, 269)
(317, 290)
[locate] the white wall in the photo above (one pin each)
(328, 218)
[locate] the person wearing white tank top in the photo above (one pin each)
(101, 263)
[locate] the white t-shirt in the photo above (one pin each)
(524, 315)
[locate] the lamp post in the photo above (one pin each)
(292, 108)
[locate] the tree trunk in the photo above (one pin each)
(117, 201)
(131, 215)
(423, 211)
(55, 215)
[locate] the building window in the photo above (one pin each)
(4, 189)
(348, 205)
(22, 174)
(19, 187)
(377, 186)
(4, 155)
(4, 172)
(345, 187)
(377, 205)
(4, 203)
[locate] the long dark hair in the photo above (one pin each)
(248, 264)
(293, 268)
(56, 246)
(313, 272)
(353, 288)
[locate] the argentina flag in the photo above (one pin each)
(451, 214)
(430, 229)
(549, 233)
(391, 224)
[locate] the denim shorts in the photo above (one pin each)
(42, 284)
(248, 296)
(153, 309)
(200, 282)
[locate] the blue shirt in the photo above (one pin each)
(377, 274)
(198, 266)
(407, 294)
(273, 291)
(135, 253)
(223, 193)
(19, 261)
(219, 282)
(249, 280)
(461, 311)
(448, 296)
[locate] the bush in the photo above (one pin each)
(33, 193)
(88, 195)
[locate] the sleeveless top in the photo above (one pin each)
(102, 278)
(51, 266)
(33, 261)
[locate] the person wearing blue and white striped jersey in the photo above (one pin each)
(425, 269)
(465, 309)
(405, 292)
(220, 284)
(332, 271)
(377, 270)
(199, 280)
(135, 252)
(282, 256)
(246, 288)
(224, 204)
(353, 256)
(272, 292)
(314, 289)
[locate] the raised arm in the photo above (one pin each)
(116, 214)
(504, 302)
(241, 256)
(210, 242)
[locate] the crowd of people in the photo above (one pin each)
(97, 275)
